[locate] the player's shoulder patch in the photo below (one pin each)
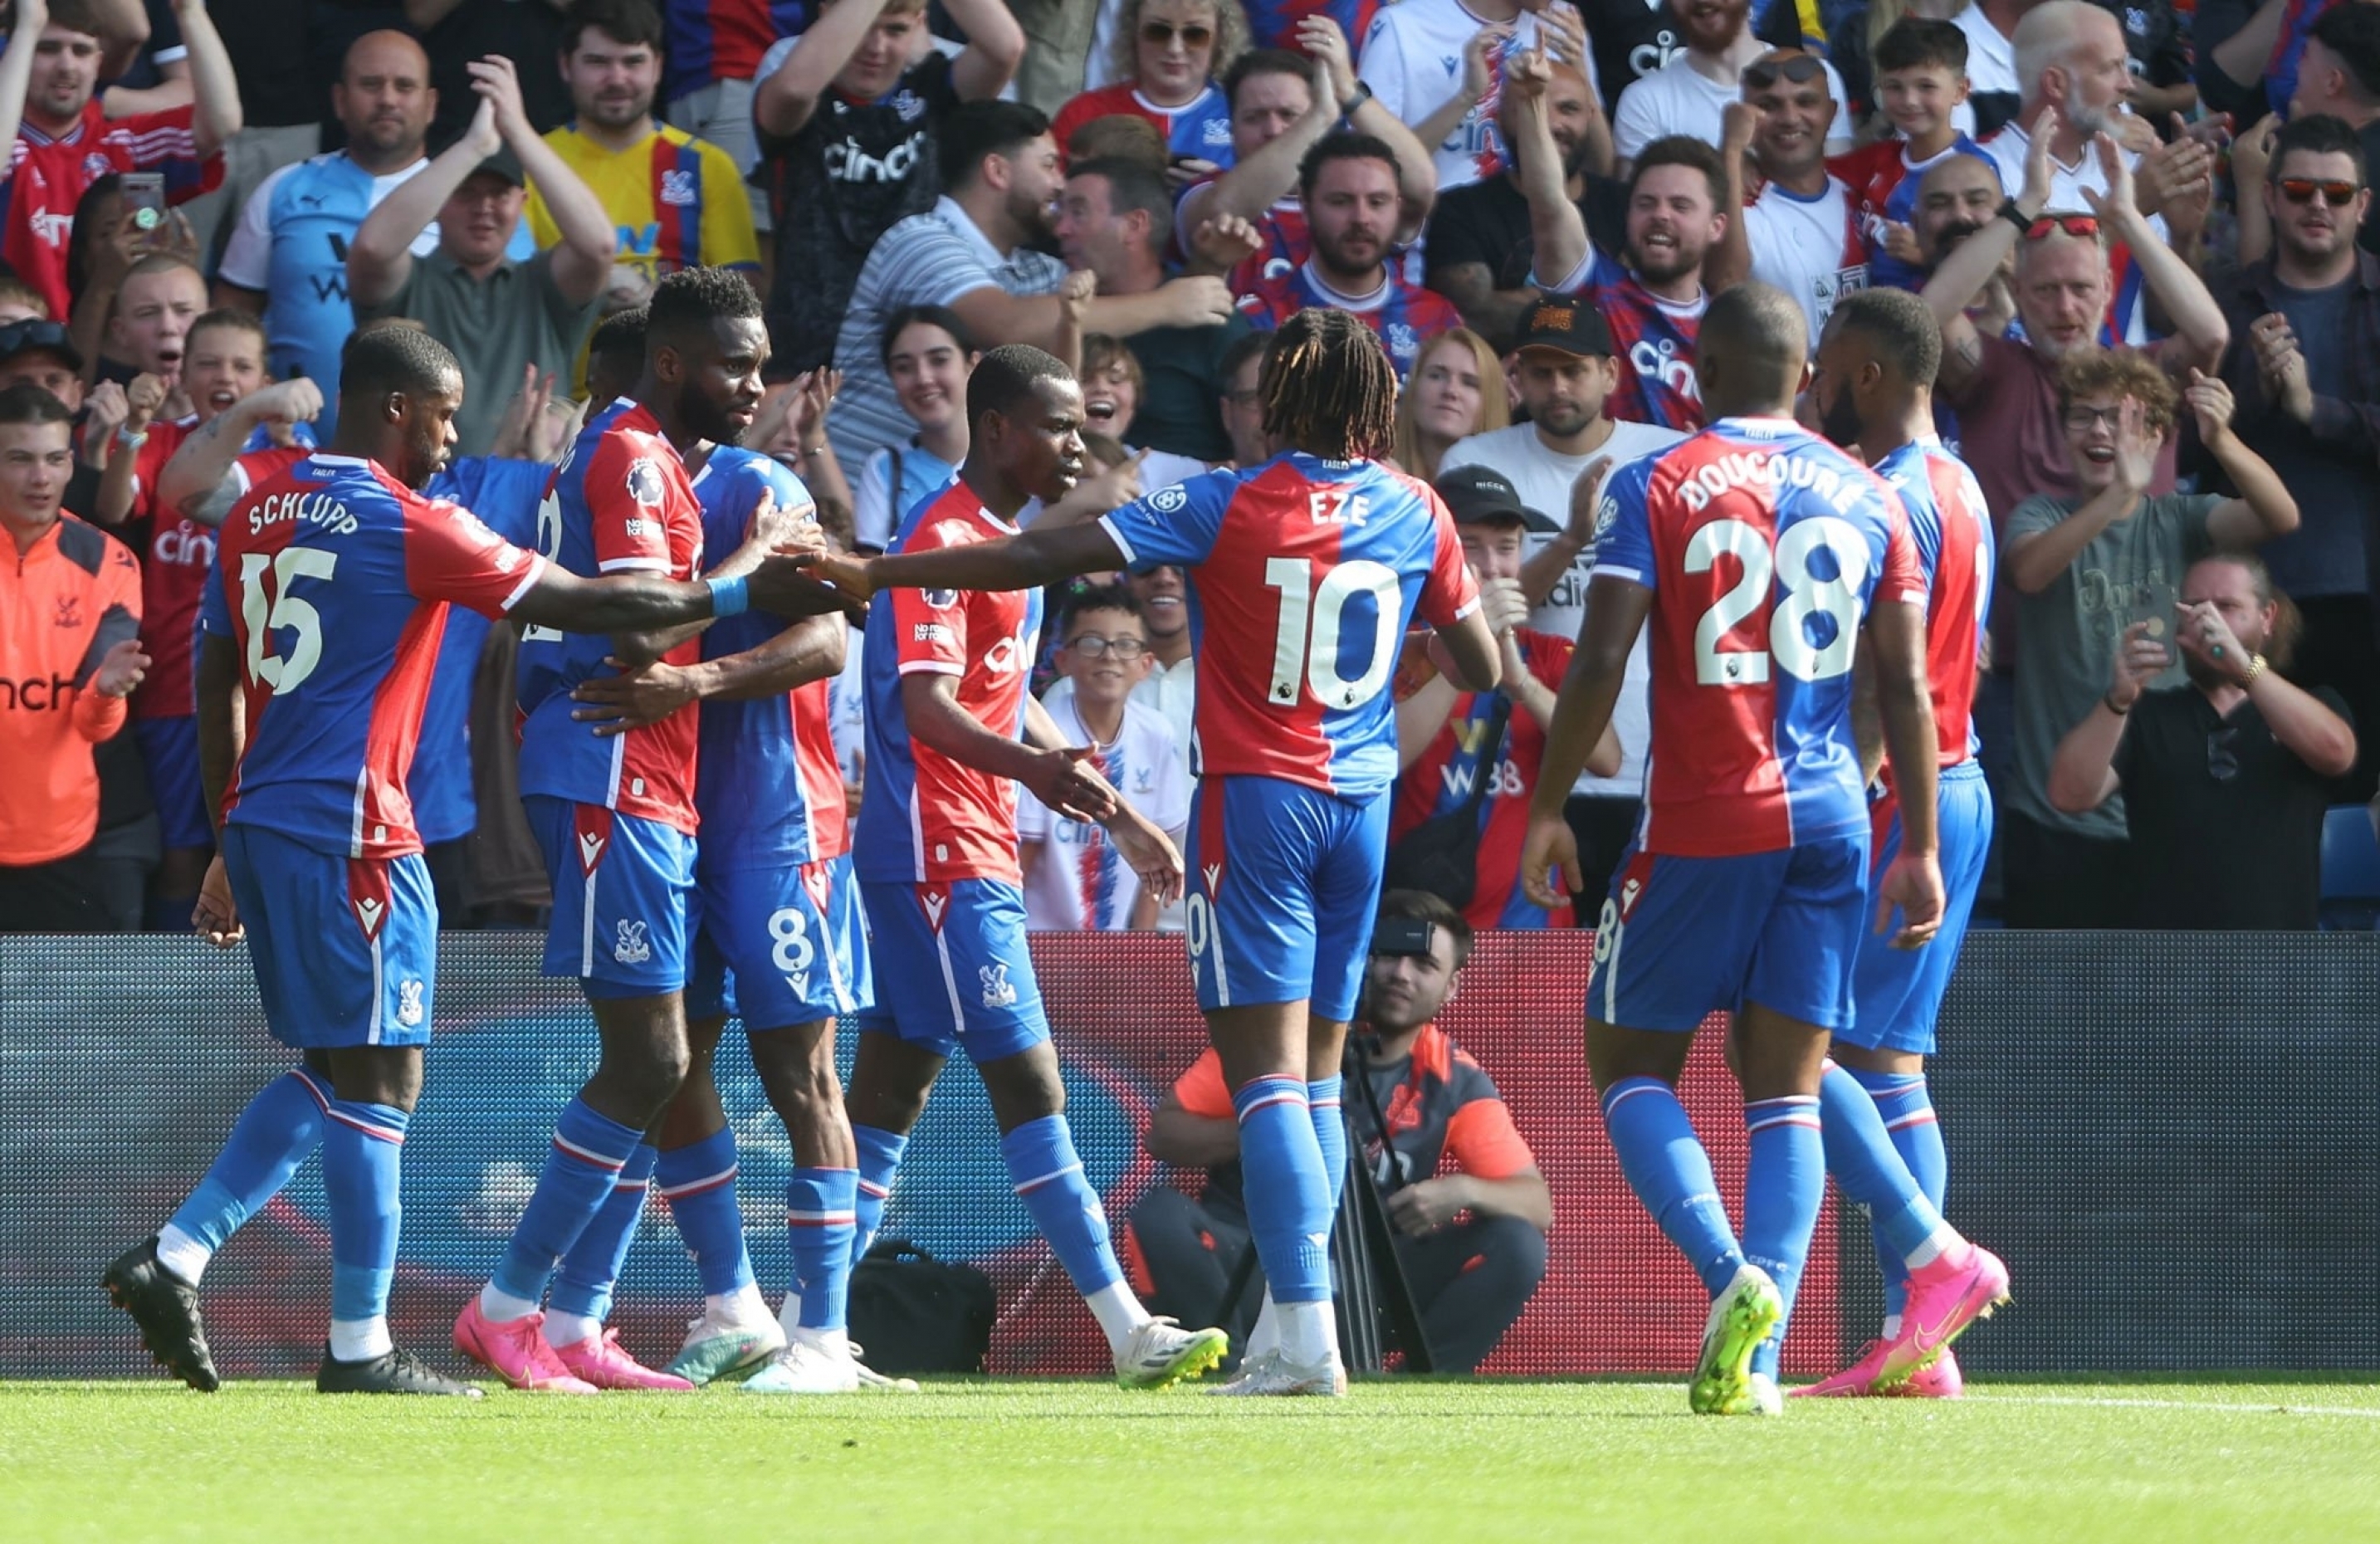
(1170, 500)
(645, 482)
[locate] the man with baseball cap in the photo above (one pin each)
(1470, 758)
(1566, 372)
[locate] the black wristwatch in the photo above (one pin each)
(1363, 94)
(2016, 217)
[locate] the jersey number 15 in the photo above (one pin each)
(266, 610)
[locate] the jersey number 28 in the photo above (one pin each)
(1808, 597)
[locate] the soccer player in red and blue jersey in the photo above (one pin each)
(1305, 572)
(1873, 389)
(615, 815)
(324, 627)
(1653, 302)
(1758, 552)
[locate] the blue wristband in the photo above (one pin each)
(728, 597)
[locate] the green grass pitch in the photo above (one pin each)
(1435, 1460)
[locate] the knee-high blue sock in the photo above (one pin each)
(361, 1144)
(1861, 1156)
(1784, 1184)
(1322, 1096)
(584, 1165)
(879, 1160)
(1288, 1192)
(275, 1135)
(699, 1181)
(821, 1218)
(1665, 1164)
(591, 1268)
(1050, 1182)
(1907, 1111)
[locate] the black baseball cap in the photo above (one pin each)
(37, 335)
(1478, 495)
(1566, 326)
(502, 163)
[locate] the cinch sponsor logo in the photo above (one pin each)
(849, 162)
(35, 695)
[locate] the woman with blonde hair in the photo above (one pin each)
(1456, 390)
(1167, 56)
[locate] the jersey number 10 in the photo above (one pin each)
(1305, 645)
(1807, 595)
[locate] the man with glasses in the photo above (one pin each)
(2089, 569)
(2224, 780)
(2304, 363)
(1074, 878)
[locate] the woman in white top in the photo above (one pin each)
(928, 355)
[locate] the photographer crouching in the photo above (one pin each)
(1470, 1208)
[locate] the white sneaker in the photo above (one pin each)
(1271, 1374)
(1160, 1352)
(806, 1367)
(1740, 1317)
(876, 1382)
(726, 1347)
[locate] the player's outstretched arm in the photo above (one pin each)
(1025, 562)
(1061, 776)
(1468, 654)
(630, 605)
(811, 649)
(1616, 609)
(1896, 632)
(221, 728)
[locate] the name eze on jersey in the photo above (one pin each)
(1740, 470)
(307, 508)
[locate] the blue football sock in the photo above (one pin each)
(1287, 1190)
(583, 1167)
(1784, 1184)
(1665, 1164)
(1861, 1156)
(699, 1181)
(1050, 1182)
(1330, 1133)
(275, 1135)
(821, 1219)
(1902, 1103)
(591, 1268)
(361, 1145)
(879, 1160)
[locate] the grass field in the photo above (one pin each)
(2062, 1461)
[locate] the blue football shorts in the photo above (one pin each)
(624, 898)
(1899, 992)
(951, 970)
(779, 946)
(1284, 882)
(345, 949)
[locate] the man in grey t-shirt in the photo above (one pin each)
(2084, 568)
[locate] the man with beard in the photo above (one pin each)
(497, 316)
(677, 202)
(2225, 780)
(1481, 247)
(1677, 214)
(287, 258)
(1689, 94)
(2304, 363)
(1803, 233)
(975, 251)
(1348, 186)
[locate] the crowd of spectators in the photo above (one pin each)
(2146, 230)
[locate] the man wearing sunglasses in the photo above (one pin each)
(2304, 363)
(1802, 232)
(1689, 95)
(2226, 779)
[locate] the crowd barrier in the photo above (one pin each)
(2171, 1138)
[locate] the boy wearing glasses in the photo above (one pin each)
(1074, 878)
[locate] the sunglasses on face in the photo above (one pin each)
(2298, 190)
(1761, 74)
(31, 333)
(2083, 228)
(1159, 34)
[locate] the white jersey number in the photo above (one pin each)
(1305, 648)
(549, 540)
(265, 609)
(1807, 595)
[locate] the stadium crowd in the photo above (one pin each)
(2145, 232)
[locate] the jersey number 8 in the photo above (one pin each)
(264, 614)
(1807, 596)
(1306, 647)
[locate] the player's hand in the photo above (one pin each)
(1586, 503)
(1068, 781)
(1150, 853)
(1201, 300)
(2140, 659)
(1549, 853)
(216, 916)
(1423, 1207)
(498, 83)
(1109, 488)
(289, 403)
(787, 585)
(616, 704)
(849, 573)
(1911, 885)
(142, 398)
(1319, 39)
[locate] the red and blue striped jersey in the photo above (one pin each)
(619, 504)
(1884, 191)
(1200, 129)
(1402, 314)
(1765, 547)
(1303, 575)
(1952, 528)
(48, 177)
(768, 786)
(1273, 23)
(925, 817)
(333, 580)
(1653, 338)
(723, 39)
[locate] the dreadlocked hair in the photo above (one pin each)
(1329, 388)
